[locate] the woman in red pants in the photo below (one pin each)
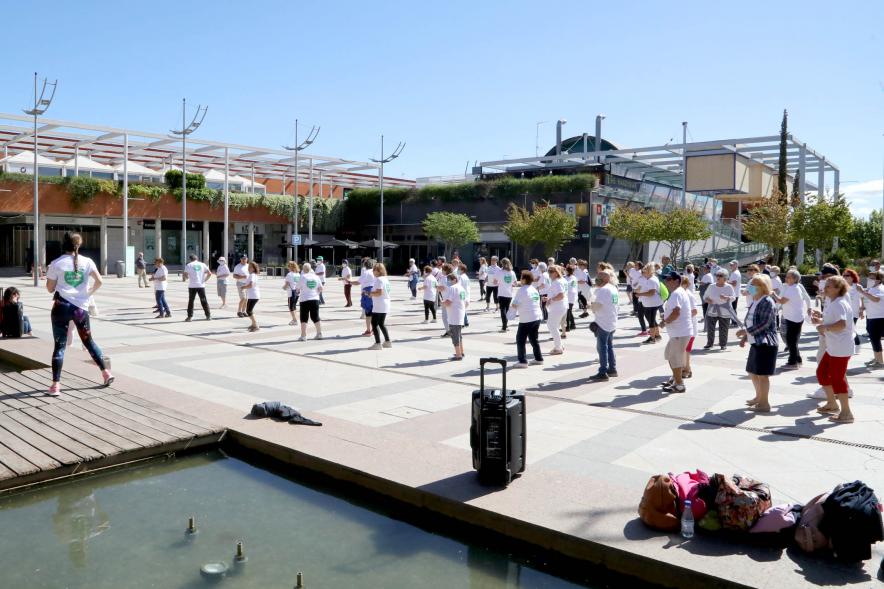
(835, 325)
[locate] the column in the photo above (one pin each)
(251, 242)
(836, 191)
(226, 238)
(206, 252)
(158, 236)
(43, 240)
(821, 192)
(802, 171)
(125, 202)
(103, 237)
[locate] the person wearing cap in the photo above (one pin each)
(241, 275)
(760, 331)
(677, 319)
(319, 270)
(717, 298)
(347, 276)
(221, 274)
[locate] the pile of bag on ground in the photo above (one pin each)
(846, 520)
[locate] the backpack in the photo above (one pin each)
(688, 486)
(740, 501)
(659, 505)
(12, 320)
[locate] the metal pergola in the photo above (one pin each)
(665, 163)
(61, 140)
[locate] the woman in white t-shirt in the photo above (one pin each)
(482, 276)
(836, 323)
(380, 306)
(855, 298)
(252, 294)
(874, 304)
(221, 274)
(455, 304)
(526, 304)
(347, 277)
(160, 279)
(505, 282)
(795, 302)
(584, 287)
(365, 282)
(648, 292)
(67, 279)
(290, 285)
(309, 289)
(573, 288)
(414, 277)
(556, 307)
(429, 296)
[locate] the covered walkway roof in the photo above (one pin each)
(63, 140)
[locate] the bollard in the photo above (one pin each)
(300, 581)
(191, 525)
(240, 555)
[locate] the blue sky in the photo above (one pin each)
(463, 81)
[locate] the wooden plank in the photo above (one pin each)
(48, 447)
(44, 380)
(143, 417)
(12, 394)
(82, 384)
(16, 463)
(118, 443)
(145, 425)
(5, 473)
(95, 418)
(159, 413)
(166, 411)
(29, 394)
(30, 453)
(74, 446)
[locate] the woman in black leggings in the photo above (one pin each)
(506, 280)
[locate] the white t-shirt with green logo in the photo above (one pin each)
(71, 285)
(607, 298)
(381, 304)
(458, 308)
(527, 301)
(430, 287)
(196, 274)
(505, 283)
(309, 287)
(555, 288)
(572, 289)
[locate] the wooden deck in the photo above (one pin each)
(87, 427)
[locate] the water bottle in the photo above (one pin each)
(687, 521)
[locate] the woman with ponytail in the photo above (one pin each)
(67, 279)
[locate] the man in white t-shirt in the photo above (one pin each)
(677, 320)
(160, 278)
(241, 276)
(320, 272)
(606, 299)
(196, 273)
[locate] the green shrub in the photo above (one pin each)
(149, 191)
(82, 189)
(194, 181)
(28, 179)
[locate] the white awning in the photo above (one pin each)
(27, 157)
(84, 163)
(136, 169)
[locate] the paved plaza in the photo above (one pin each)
(402, 414)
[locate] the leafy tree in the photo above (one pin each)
(452, 229)
(552, 227)
(518, 225)
(680, 226)
(864, 238)
(635, 225)
(796, 190)
(771, 224)
(782, 163)
(820, 220)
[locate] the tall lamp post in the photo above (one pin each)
(41, 105)
(297, 148)
(184, 132)
(396, 153)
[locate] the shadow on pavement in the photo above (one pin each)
(460, 487)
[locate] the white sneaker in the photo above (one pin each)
(387, 344)
(520, 365)
(535, 362)
(821, 394)
(375, 347)
(317, 336)
(424, 321)
(556, 352)
(293, 322)
(301, 339)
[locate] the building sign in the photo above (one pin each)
(622, 183)
(601, 213)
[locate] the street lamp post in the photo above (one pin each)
(184, 132)
(684, 177)
(41, 105)
(396, 153)
(297, 148)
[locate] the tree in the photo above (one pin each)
(782, 164)
(680, 226)
(547, 225)
(452, 229)
(552, 227)
(796, 190)
(864, 238)
(820, 220)
(635, 225)
(770, 223)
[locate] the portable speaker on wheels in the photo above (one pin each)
(12, 320)
(497, 431)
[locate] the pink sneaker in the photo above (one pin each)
(108, 377)
(643, 334)
(54, 390)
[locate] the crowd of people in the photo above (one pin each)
(777, 306)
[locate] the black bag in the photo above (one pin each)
(498, 434)
(12, 320)
(852, 521)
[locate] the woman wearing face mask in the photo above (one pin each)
(761, 332)
(874, 304)
(855, 299)
(795, 303)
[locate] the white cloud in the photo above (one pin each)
(864, 197)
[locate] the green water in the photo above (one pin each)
(125, 530)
